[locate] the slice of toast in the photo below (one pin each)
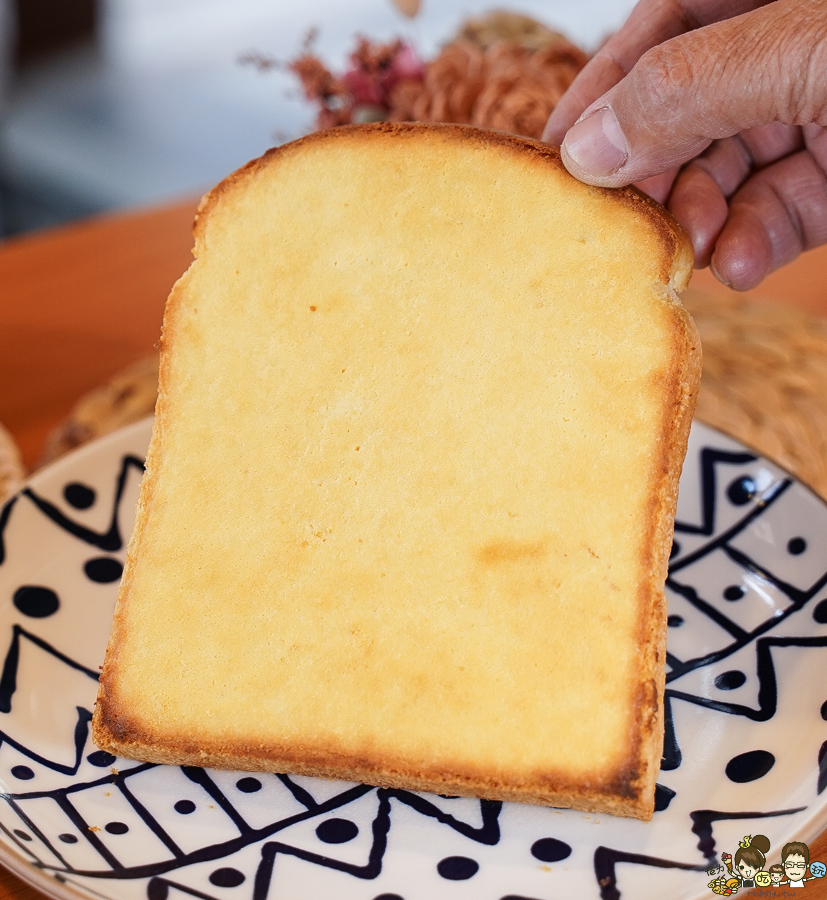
(409, 500)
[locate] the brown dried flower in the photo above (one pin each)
(505, 71)
(506, 86)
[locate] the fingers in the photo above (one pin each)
(699, 197)
(815, 140)
(778, 213)
(659, 186)
(651, 23)
(699, 204)
(596, 77)
(771, 142)
(763, 67)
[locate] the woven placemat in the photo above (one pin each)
(765, 379)
(126, 398)
(11, 468)
(764, 383)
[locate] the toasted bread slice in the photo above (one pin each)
(409, 500)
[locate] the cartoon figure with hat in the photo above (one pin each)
(748, 868)
(750, 859)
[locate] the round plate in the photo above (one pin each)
(745, 710)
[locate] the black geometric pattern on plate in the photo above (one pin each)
(77, 812)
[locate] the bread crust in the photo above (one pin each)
(618, 796)
(677, 253)
(627, 790)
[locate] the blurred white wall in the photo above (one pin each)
(162, 108)
(159, 32)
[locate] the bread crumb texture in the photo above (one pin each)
(409, 496)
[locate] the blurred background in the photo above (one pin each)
(110, 104)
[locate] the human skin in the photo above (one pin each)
(718, 109)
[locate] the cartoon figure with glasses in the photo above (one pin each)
(796, 860)
(748, 868)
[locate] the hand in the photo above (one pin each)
(718, 109)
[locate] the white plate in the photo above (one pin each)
(747, 704)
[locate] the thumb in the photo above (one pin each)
(765, 66)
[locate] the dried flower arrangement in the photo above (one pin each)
(502, 71)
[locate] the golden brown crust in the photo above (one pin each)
(681, 390)
(106, 692)
(618, 795)
(626, 789)
(677, 254)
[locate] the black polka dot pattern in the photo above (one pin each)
(101, 759)
(227, 877)
(79, 495)
(337, 831)
(248, 785)
(550, 850)
(749, 766)
(157, 889)
(35, 601)
(729, 681)
(457, 826)
(663, 797)
(741, 491)
(457, 868)
(103, 569)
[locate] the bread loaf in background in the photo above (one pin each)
(424, 400)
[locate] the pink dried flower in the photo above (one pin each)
(363, 92)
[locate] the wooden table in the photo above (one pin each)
(78, 304)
